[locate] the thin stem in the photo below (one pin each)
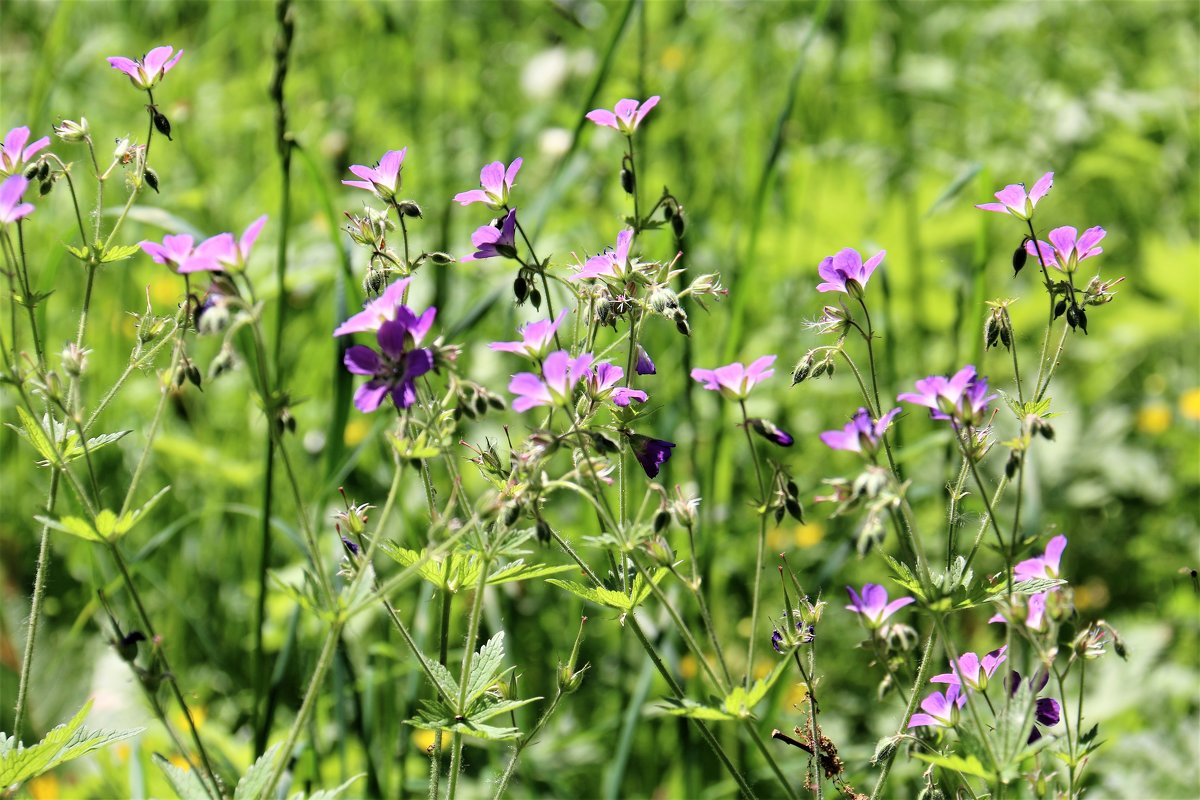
(476, 612)
(35, 608)
(922, 676)
(761, 546)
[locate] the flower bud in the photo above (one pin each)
(74, 360)
(73, 132)
(535, 298)
(678, 226)
(569, 678)
(44, 188)
(1012, 465)
(660, 550)
(121, 150)
(410, 209)
(224, 361)
(663, 300)
(520, 289)
(31, 170)
(127, 647)
(662, 519)
(544, 532)
(375, 282)
(1059, 308)
(441, 259)
(803, 369)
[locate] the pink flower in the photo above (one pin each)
(1014, 200)
(873, 604)
(389, 307)
(556, 384)
(235, 254)
(178, 252)
(628, 115)
(150, 70)
(845, 271)
(973, 671)
(496, 182)
(11, 207)
(612, 263)
(735, 381)
(602, 382)
(962, 397)
(1068, 249)
(941, 710)
(383, 179)
(535, 338)
(860, 433)
(492, 242)
(14, 155)
(1045, 566)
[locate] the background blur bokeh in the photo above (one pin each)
(788, 130)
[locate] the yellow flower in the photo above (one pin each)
(687, 666)
(356, 430)
(809, 534)
(44, 787)
(1154, 418)
(423, 739)
(1189, 404)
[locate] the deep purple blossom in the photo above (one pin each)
(11, 207)
(612, 263)
(1014, 200)
(650, 453)
(873, 606)
(535, 338)
(1044, 566)
(496, 182)
(973, 671)
(490, 241)
(1047, 712)
(735, 380)
(383, 179)
(962, 397)
(625, 117)
(394, 368)
(14, 155)
(845, 271)
(770, 431)
(556, 384)
(1068, 247)
(148, 71)
(233, 253)
(644, 366)
(602, 382)
(941, 710)
(180, 252)
(860, 434)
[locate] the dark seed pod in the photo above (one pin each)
(1013, 464)
(681, 325)
(794, 508)
(1019, 257)
(193, 375)
(544, 533)
(31, 171)
(43, 170)
(603, 444)
(520, 289)
(661, 520)
(152, 179)
(792, 489)
(627, 181)
(410, 209)
(678, 225)
(162, 123)
(481, 405)
(668, 212)
(1006, 337)
(44, 187)
(1072, 317)
(1046, 430)
(511, 514)
(778, 514)
(495, 402)
(535, 297)
(127, 648)
(1081, 319)
(991, 334)
(1059, 308)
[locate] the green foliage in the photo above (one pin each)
(106, 527)
(67, 742)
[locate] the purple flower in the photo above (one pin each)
(535, 338)
(625, 117)
(490, 241)
(962, 397)
(1014, 200)
(1047, 712)
(179, 252)
(845, 271)
(235, 254)
(496, 182)
(1035, 612)
(612, 263)
(644, 365)
(1069, 247)
(14, 155)
(383, 179)
(973, 671)
(650, 453)
(388, 306)
(556, 384)
(941, 711)
(602, 382)
(735, 381)
(11, 207)
(1044, 566)
(860, 434)
(770, 431)
(873, 605)
(150, 69)
(393, 368)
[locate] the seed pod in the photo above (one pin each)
(535, 297)
(1072, 317)
(991, 333)
(1006, 337)
(627, 181)
(520, 289)
(152, 179)
(1046, 430)
(792, 489)
(511, 514)
(661, 520)
(544, 533)
(441, 259)
(193, 374)
(481, 405)
(794, 508)
(803, 369)
(681, 325)
(161, 123)
(44, 187)
(1019, 257)
(495, 402)
(1081, 319)
(127, 648)
(1012, 465)
(778, 514)
(668, 212)
(43, 170)
(1059, 308)
(678, 225)
(410, 209)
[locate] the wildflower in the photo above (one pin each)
(535, 338)
(150, 69)
(832, 320)
(383, 179)
(735, 381)
(860, 434)
(11, 207)
(644, 366)
(394, 368)
(973, 671)
(873, 606)
(612, 263)
(625, 117)
(1036, 618)
(650, 453)
(71, 131)
(490, 241)
(962, 397)
(560, 374)
(770, 431)
(602, 382)
(236, 254)
(14, 155)
(845, 272)
(1068, 247)
(1045, 566)
(496, 182)
(941, 710)
(1048, 711)
(802, 637)
(179, 252)
(389, 306)
(1014, 200)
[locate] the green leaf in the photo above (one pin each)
(107, 526)
(185, 782)
(601, 597)
(484, 667)
(66, 742)
(76, 526)
(328, 794)
(1031, 586)
(443, 679)
(119, 252)
(489, 710)
(81, 253)
(967, 766)
(33, 433)
(254, 782)
(693, 710)
(520, 571)
(902, 575)
(71, 449)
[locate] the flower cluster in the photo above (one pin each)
(400, 360)
(215, 254)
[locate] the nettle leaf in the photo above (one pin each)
(327, 794)
(520, 571)
(106, 527)
(1031, 586)
(73, 450)
(66, 742)
(119, 252)
(254, 782)
(33, 433)
(694, 710)
(601, 597)
(491, 709)
(484, 667)
(185, 782)
(969, 765)
(902, 575)
(443, 679)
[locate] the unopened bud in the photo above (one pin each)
(127, 647)
(121, 150)
(1013, 464)
(70, 131)
(441, 259)
(152, 179)
(535, 298)
(409, 209)
(374, 282)
(660, 551)
(74, 360)
(678, 225)
(520, 289)
(661, 520)
(803, 369)
(44, 188)
(664, 300)
(1059, 308)
(544, 532)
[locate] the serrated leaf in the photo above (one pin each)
(328, 794)
(79, 252)
(601, 597)
(33, 433)
(254, 782)
(64, 743)
(902, 575)
(76, 526)
(106, 526)
(443, 679)
(1030, 586)
(185, 782)
(484, 667)
(479, 731)
(693, 710)
(500, 707)
(119, 252)
(520, 571)
(969, 765)
(72, 450)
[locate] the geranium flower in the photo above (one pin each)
(1048, 711)
(535, 338)
(625, 117)
(178, 251)
(962, 397)
(389, 306)
(735, 381)
(973, 671)
(393, 369)
(941, 710)
(150, 69)
(14, 155)
(1035, 612)
(860, 434)
(1044, 566)
(873, 606)
(11, 207)
(1069, 248)
(650, 453)
(560, 374)
(235, 254)
(1014, 200)
(845, 271)
(490, 241)
(602, 382)
(612, 263)
(643, 365)
(383, 179)
(496, 182)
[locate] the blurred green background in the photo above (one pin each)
(788, 130)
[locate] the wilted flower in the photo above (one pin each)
(962, 397)
(873, 606)
(735, 380)
(490, 241)
(628, 115)
(560, 374)
(535, 338)
(860, 434)
(383, 179)
(612, 263)
(1014, 200)
(14, 155)
(941, 710)
(178, 251)
(973, 671)
(650, 453)
(1069, 247)
(394, 368)
(1048, 710)
(1044, 566)
(11, 207)
(150, 69)
(643, 365)
(71, 131)
(845, 271)
(803, 636)
(496, 182)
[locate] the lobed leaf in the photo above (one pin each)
(185, 782)
(64, 743)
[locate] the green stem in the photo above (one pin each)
(914, 696)
(35, 608)
(761, 546)
(476, 612)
